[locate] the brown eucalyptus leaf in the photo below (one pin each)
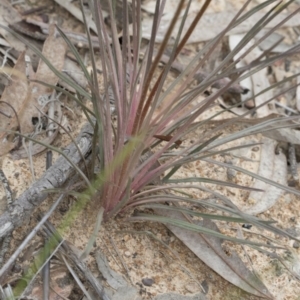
(209, 250)
(15, 96)
(61, 286)
(8, 15)
(76, 12)
(272, 166)
(54, 50)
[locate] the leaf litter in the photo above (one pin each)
(283, 211)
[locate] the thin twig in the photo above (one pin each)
(15, 255)
(78, 281)
(5, 247)
(293, 163)
(9, 199)
(8, 192)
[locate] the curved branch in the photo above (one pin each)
(55, 177)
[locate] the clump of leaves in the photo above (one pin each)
(138, 144)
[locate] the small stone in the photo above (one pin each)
(16, 268)
(250, 103)
(247, 226)
(296, 245)
(147, 281)
(126, 238)
(192, 287)
(127, 253)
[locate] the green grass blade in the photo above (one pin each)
(196, 228)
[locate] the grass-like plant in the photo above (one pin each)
(139, 145)
(152, 119)
(153, 122)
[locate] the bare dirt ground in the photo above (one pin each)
(130, 249)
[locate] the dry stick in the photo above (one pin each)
(293, 163)
(55, 177)
(8, 192)
(15, 255)
(5, 247)
(9, 199)
(76, 278)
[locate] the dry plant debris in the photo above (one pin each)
(150, 267)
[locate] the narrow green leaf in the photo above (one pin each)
(197, 228)
(254, 175)
(211, 181)
(198, 214)
(76, 54)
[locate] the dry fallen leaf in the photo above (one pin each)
(26, 98)
(273, 166)
(54, 50)
(16, 94)
(209, 250)
(76, 12)
(210, 25)
(9, 14)
(60, 283)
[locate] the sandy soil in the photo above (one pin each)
(130, 245)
